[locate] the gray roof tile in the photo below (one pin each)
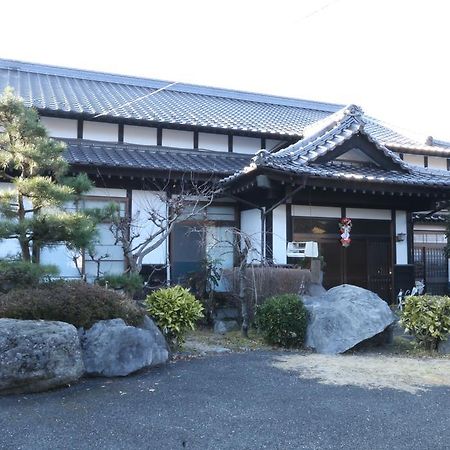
(151, 158)
(326, 136)
(71, 91)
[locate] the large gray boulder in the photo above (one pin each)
(111, 348)
(343, 317)
(36, 355)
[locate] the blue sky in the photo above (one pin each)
(388, 56)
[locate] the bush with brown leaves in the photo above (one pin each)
(78, 303)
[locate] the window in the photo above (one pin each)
(206, 235)
(106, 256)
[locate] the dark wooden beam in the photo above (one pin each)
(120, 132)
(269, 236)
(80, 129)
(195, 139)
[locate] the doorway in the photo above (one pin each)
(366, 263)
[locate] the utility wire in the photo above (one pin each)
(307, 16)
(318, 10)
(135, 100)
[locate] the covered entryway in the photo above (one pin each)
(340, 169)
(367, 262)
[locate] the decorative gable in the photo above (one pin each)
(356, 156)
(341, 137)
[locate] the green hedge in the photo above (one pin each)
(75, 302)
(282, 320)
(129, 283)
(427, 318)
(21, 274)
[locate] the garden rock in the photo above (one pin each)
(225, 326)
(111, 348)
(158, 337)
(37, 355)
(226, 314)
(444, 346)
(343, 317)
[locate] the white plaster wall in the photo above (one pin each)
(272, 143)
(143, 201)
(416, 160)
(210, 141)
(435, 162)
(251, 226)
(178, 138)
(401, 247)
(279, 234)
(107, 192)
(106, 268)
(243, 144)
(61, 257)
(431, 227)
(9, 248)
(100, 131)
(112, 254)
(139, 135)
(63, 128)
(316, 211)
(365, 213)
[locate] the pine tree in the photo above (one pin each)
(32, 206)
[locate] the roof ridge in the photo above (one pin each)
(100, 76)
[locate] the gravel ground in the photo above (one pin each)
(225, 401)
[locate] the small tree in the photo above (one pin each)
(137, 239)
(245, 252)
(32, 210)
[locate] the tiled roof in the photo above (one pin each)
(430, 218)
(324, 136)
(342, 171)
(67, 91)
(151, 158)
(54, 89)
(302, 158)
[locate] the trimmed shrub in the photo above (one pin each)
(22, 274)
(75, 302)
(427, 318)
(129, 283)
(282, 320)
(175, 310)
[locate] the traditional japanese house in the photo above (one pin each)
(289, 170)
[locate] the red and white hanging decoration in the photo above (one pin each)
(345, 226)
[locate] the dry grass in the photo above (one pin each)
(370, 371)
(205, 341)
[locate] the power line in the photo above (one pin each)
(318, 10)
(136, 99)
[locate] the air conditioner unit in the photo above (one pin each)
(308, 249)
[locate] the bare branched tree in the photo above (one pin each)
(148, 229)
(246, 253)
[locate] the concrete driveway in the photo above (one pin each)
(229, 401)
